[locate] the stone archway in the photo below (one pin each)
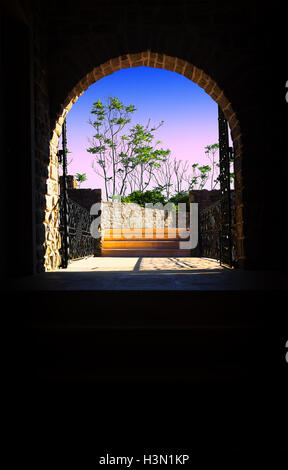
(150, 59)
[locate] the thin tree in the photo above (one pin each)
(118, 156)
(164, 177)
(211, 151)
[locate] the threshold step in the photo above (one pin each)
(142, 233)
(138, 230)
(136, 244)
(148, 237)
(160, 253)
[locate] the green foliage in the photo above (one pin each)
(181, 197)
(60, 158)
(81, 177)
(211, 148)
(155, 196)
(146, 197)
(200, 176)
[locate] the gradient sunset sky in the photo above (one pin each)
(190, 116)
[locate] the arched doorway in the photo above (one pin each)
(151, 59)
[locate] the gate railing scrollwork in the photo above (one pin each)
(214, 243)
(81, 243)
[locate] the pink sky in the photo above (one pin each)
(189, 114)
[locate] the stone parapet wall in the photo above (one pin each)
(204, 197)
(130, 215)
(85, 197)
(71, 182)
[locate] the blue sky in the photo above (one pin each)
(189, 115)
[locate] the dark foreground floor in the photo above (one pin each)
(146, 372)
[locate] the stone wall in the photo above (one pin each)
(85, 197)
(71, 182)
(52, 243)
(204, 197)
(130, 215)
(52, 239)
(48, 237)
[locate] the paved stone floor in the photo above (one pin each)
(150, 274)
(143, 264)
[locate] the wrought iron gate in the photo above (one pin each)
(75, 220)
(217, 222)
(80, 241)
(210, 224)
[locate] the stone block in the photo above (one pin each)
(54, 172)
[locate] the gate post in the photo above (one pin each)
(224, 160)
(62, 155)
